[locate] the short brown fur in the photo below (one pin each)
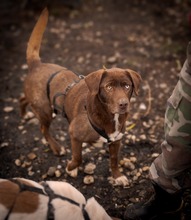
(103, 98)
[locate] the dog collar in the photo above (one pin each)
(100, 131)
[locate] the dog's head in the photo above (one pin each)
(114, 87)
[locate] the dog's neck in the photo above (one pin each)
(112, 124)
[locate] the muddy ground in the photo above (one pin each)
(147, 36)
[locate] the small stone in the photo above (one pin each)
(129, 165)
(142, 106)
(31, 173)
(26, 164)
(44, 141)
(153, 140)
(143, 137)
(133, 159)
(80, 60)
(145, 168)
(33, 121)
(58, 173)
(62, 138)
(102, 151)
(29, 115)
(24, 67)
(112, 59)
(36, 138)
(4, 144)
(18, 162)
(134, 200)
(88, 179)
(32, 156)
(21, 127)
(154, 155)
(8, 109)
(44, 176)
(51, 171)
(135, 178)
(59, 167)
(89, 168)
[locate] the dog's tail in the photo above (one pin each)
(34, 43)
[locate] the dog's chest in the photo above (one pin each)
(114, 136)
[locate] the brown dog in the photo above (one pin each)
(96, 106)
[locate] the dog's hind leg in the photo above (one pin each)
(45, 119)
(23, 105)
(54, 145)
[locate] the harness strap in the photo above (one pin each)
(54, 106)
(100, 131)
(46, 192)
(49, 81)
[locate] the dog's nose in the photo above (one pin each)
(123, 103)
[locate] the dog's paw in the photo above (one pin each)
(62, 151)
(72, 173)
(120, 181)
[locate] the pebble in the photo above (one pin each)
(4, 144)
(29, 115)
(154, 155)
(24, 67)
(58, 173)
(43, 140)
(31, 173)
(8, 109)
(44, 176)
(89, 168)
(143, 137)
(26, 164)
(145, 168)
(32, 156)
(18, 162)
(129, 165)
(133, 159)
(112, 59)
(142, 106)
(88, 179)
(21, 127)
(134, 200)
(80, 59)
(51, 171)
(33, 121)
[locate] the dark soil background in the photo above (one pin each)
(147, 36)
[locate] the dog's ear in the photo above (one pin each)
(136, 79)
(93, 81)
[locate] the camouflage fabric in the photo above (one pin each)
(172, 168)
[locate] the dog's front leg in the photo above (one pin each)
(118, 177)
(72, 167)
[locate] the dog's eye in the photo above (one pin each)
(109, 87)
(127, 86)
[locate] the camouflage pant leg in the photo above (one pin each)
(172, 169)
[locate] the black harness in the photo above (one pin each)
(46, 191)
(54, 106)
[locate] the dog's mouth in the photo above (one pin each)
(120, 110)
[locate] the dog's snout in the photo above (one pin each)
(123, 103)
